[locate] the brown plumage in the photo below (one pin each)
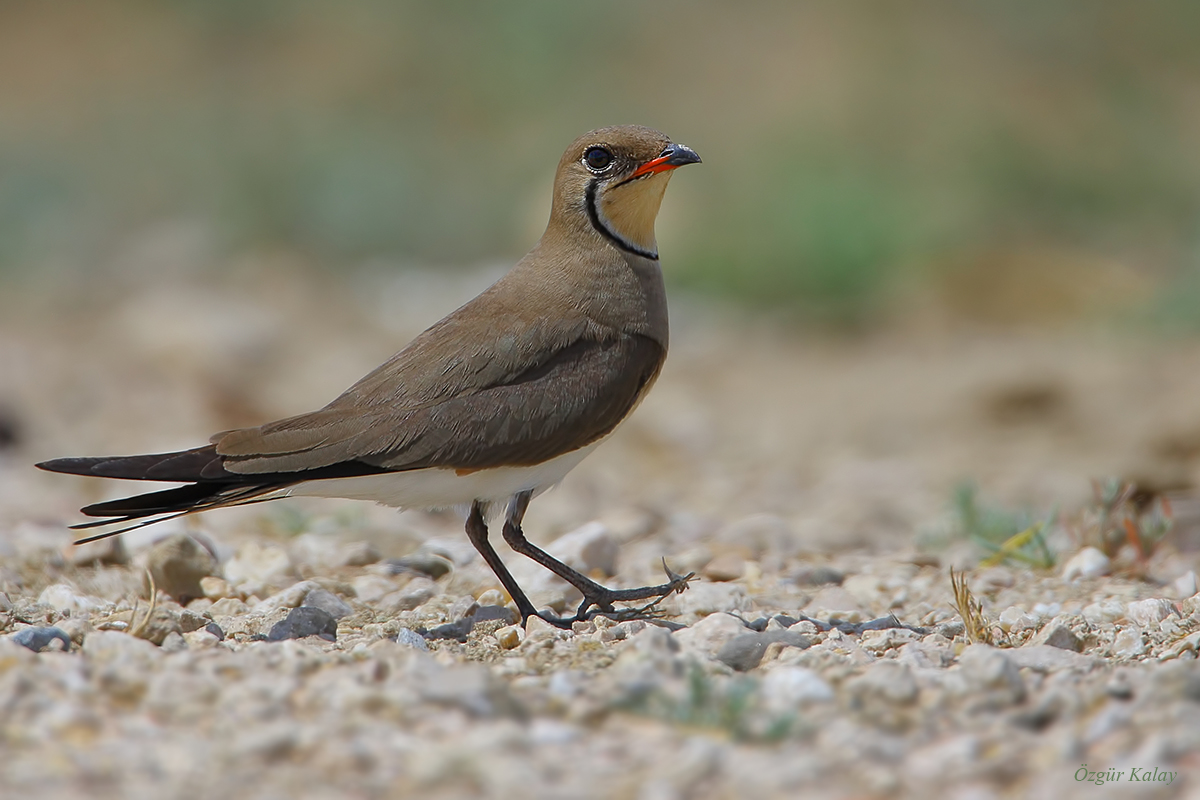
(492, 404)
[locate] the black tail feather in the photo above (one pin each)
(209, 485)
(161, 506)
(157, 502)
(154, 519)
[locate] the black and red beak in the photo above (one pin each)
(675, 155)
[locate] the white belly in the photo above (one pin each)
(445, 488)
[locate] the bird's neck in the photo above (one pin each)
(614, 289)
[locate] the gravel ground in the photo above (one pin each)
(329, 649)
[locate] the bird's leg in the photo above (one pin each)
(477, 532)
(593, 593)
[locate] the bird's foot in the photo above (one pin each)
(598, 601)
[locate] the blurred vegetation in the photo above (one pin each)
(1121, 520)
(851, 151)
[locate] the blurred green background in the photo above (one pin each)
(1012, 161)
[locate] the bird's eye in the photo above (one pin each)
(597, 158)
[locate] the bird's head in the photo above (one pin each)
(613, 179)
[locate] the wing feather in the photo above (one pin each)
(572, 398)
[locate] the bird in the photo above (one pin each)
(487, 408)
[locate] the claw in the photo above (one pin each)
(678, 582)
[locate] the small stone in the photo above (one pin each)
(588, 548)
(303, 622)
(817, 576)
(885, 682)
(537, 628)
(994, 679)
(833, 602)
(177, 564)
(703, 599)
(710, 634)
(125, 657)
(1057, 633)
(328, 602)
(291, 597)
(156, 627)
(173, 642)
(410, 638)
(952, 628)
(5, 603)
(215, 629)
(470, 687)
(62, 597)
(228, 607)
(492, 597)
(510, 636)
(215, 588)
(106, 552)
(1146, 614)
(881, 641)
(1188, 644)
(1087, 563)
(258, 564)
(632, 627)
(357, 554)
(1175, 681)
(925, 655)
(462, 607)
(370, 588)
(1103, 612)
(489, 613)
(77, 628)
(1185, 584)
(435, 565)
(190, 621)
(1015, 619)
(1046, 610)
(793, 686)
(1128, 643)
(725, 567)
(42, 639)
(1119, 687)
(745, 652)
(419, 591)
(1043, 658)
(655, 640)
(200, 640)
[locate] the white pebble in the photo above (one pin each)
(61, 597)
(1128, 643)
(1087, 563)
(411, 638)
(492, 597)
(1104, 611)
(1015, 618)
(791, 686)
(1147, 614)
(256, 563)
(1185, 584)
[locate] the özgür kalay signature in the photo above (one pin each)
(1135, 775)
